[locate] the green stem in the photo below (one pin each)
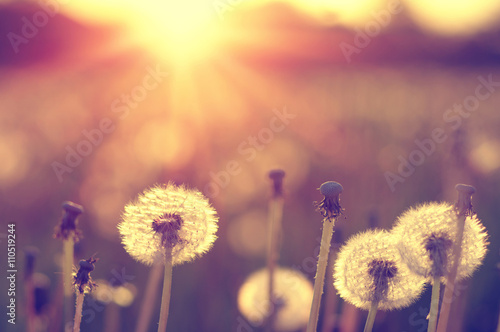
(326, 238)
(433, 314)
(371, 317)
(165, 297)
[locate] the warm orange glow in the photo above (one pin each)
(184, 32)
(455, 17)
(486, 157)
(177, 30)
(341, 11)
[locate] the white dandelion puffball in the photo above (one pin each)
(369, 268)
(168, 217)
(292, 292)
(427, 234)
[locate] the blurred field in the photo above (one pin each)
(217, 123)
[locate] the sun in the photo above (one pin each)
(180, 31)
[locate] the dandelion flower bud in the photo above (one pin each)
(82, 280)
(68, 226)
(291, 288)
(330, 207)
(168, 217)
(427, 234)
(369, 269)
(276, 176)
(465, 192)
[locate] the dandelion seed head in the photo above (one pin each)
(438, 246)
(369, 268)
(292, 290)
(382, 271)
(427, 234)
(168, 217)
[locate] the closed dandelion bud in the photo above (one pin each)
(168, 217)
(291, 290)
(330, 207)
(68, 225)
(465, 193)
(369, 269)
(427, 234)
(82, 280)
(276, 176)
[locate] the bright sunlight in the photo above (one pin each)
(181, 31)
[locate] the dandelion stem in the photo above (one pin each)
(68, 254)
(112, 318)
(149, 300)
(165, 297)
(68, 249)
(274, 237)
(78, 311)
(463, 209)
(326, 238)
(30, 257)
(330, 317)
(30, 304)
(371, 317)
(498, 324)
(433, 314)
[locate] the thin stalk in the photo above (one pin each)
(371, 317)
(78, 312)
(274, 239)
(112, 318)
(30, 304)
(433, 314)
(165, 297)
(450, 282)
(498, 324)
(68, 251)
(68, 254)
(149, 300)
(326, 238)
(349, 318)
(330, 316)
